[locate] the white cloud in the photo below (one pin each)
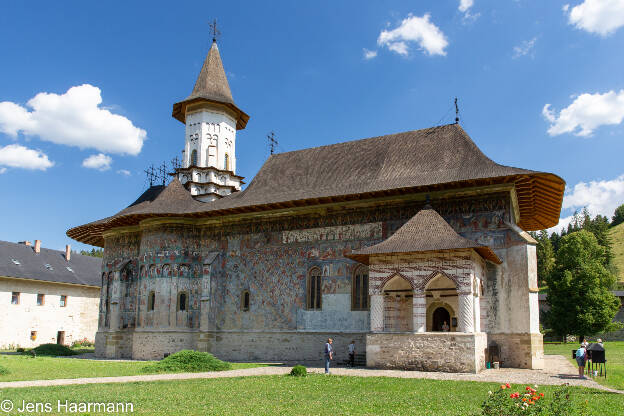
(464, 5)
(74, 119)
(602, 17)
(2, 170)
(600, 198)
(124, 172)
(16, 156)
(100, 162)
(586, 113)
(369, 54)
(525, 48)
(414, 29)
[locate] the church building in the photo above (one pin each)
(413, 244)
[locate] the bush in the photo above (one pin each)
(530, 402)
(54, 350)
(4, 371)
(82, 343)
(20, 349)
(299, 371)
(188, 361)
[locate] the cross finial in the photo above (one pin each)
(456, 112)
(272, 142)
(214, 30)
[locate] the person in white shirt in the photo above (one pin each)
(352, 353)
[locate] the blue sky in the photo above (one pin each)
(314, 72)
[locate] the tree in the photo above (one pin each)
(545, 256)
(599, 227)
(93, 253)
(579, 288)
(618, 216)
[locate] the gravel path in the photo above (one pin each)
(557, 370)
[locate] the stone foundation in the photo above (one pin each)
(454, 352)
(520, 350)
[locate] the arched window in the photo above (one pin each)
(359, 289)
(194, 158)
(151, 300)
(245, 300)
(226, 163)
(182, 301)
(314, 288)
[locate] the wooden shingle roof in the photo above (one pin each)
(428, 160)
(424, 232)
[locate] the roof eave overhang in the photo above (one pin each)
(485, 252)
(179, 110)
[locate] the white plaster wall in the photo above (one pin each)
(336, 315)
(79, 319)
(214, 128)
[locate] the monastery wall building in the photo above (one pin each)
(386, 241)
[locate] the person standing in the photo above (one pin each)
(581, 353)
(352, 353)
(445, 327)
(329, 354)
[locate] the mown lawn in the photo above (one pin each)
(312, 395)
(615, 361)
(44, 368)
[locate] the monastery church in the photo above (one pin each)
(412, 244)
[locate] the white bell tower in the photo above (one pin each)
(209, 157)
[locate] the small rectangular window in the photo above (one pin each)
(63, 301)
(40, 299)
(151, 300)
(15, 297)
(16, 262)
(33, 335)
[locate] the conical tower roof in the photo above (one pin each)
(425, 231)
(211, 86)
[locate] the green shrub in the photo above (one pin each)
(54, 350)
(299, 371)
(4, 371)
(188, 361)
(20, 349)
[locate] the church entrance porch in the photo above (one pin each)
(441, 320)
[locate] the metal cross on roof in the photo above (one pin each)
(214, 30)
(272, 141)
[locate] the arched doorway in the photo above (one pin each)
(441, 316)
(398, 305)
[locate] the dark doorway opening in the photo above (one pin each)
(60, 337)
(440, 316)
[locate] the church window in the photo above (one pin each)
(226, 164)
(314, 289)
(245, 300)
(182, 301)
(151, 300)
(194, 158)
(359, 289)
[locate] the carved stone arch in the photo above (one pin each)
(429, 278)
(435, 305)
(386, 279)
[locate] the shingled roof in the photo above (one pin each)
(21, 261)
(211, 86)
(426, 231)
(428, 160)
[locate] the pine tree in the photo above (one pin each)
(618, 216)
(545, 256)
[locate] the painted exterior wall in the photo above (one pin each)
(78, 319)
(270, 257)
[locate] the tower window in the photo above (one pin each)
(182, 298)
(194, 158)
(245, 300)
(314, 289)
(226, 162)
(359, 289)
(151, 300)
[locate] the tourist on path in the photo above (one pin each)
(581, 354)
(352, 353)
(329, 354)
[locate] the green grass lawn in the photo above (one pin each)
(615, 361)
(44, 368)
(312, 395)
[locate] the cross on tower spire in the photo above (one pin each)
(214, 30)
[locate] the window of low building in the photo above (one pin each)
(182, 301)
(40, 299)
(33, 335)
(15, 298)
(245, 298)
(63, 301)
(151, 300)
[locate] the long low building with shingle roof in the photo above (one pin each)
(403, 240)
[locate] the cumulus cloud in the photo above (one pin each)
(419, 30)
(602, 17)
(464, 5)
(369, 54)
(525, 48)
(100, 162)
(16, 156)
(75, 118)
(124, 172)
(600, 197)
(586, 113)
(2, 170)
